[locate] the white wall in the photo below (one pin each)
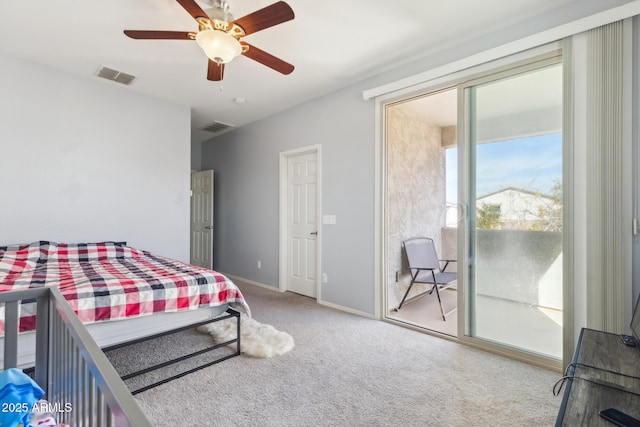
(83, 160)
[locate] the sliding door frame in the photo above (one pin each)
(551, 50)
(465, 241)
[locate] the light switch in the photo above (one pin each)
(328, 219)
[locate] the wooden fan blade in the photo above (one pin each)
(266, 17)
(192, 7)
(267, 59)
(215, 71)
(160, 35)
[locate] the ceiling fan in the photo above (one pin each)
(219, 34)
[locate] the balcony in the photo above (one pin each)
(518, 292)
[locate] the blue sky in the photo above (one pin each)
(533, 163)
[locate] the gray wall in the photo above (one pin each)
(88, 160)
(246, 164)
(196, 156)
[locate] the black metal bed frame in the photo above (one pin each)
(230, 313)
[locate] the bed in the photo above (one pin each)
(118, 293)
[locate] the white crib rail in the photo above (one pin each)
(82, 388)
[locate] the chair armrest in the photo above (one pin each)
(446, 263)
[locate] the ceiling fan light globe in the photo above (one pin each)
(219, 46)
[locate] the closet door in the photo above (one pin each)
(202, 219)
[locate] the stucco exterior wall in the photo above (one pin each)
(416, 189)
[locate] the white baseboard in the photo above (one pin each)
(347, 309)
(275, 289)
(250, 282)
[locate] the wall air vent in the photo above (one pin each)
(115, 75)
(216, 127)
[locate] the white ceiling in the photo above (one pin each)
(541, 90)
(439, 109)
(332, 43)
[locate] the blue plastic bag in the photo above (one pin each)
(18, 393)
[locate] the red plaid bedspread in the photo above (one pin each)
(108, 281)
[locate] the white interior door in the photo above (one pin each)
(202, 218)
(302, 224)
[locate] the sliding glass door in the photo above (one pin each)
(513, 194)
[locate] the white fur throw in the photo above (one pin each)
(256, 339)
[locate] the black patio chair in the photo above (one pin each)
(426, 267)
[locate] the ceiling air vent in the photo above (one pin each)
(115, 75)
(216, 127)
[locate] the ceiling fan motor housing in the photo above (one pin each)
(219, 34)
(220, 11)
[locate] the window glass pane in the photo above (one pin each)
(451, 159)
(516, 273)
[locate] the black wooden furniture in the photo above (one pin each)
(604, 373)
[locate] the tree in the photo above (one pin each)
(488, 216)
(551, 214)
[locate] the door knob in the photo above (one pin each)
(209, 227)
(315, 233)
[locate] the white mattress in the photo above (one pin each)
(118, 331)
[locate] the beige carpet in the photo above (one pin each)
(424, 312)
(350, 371)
